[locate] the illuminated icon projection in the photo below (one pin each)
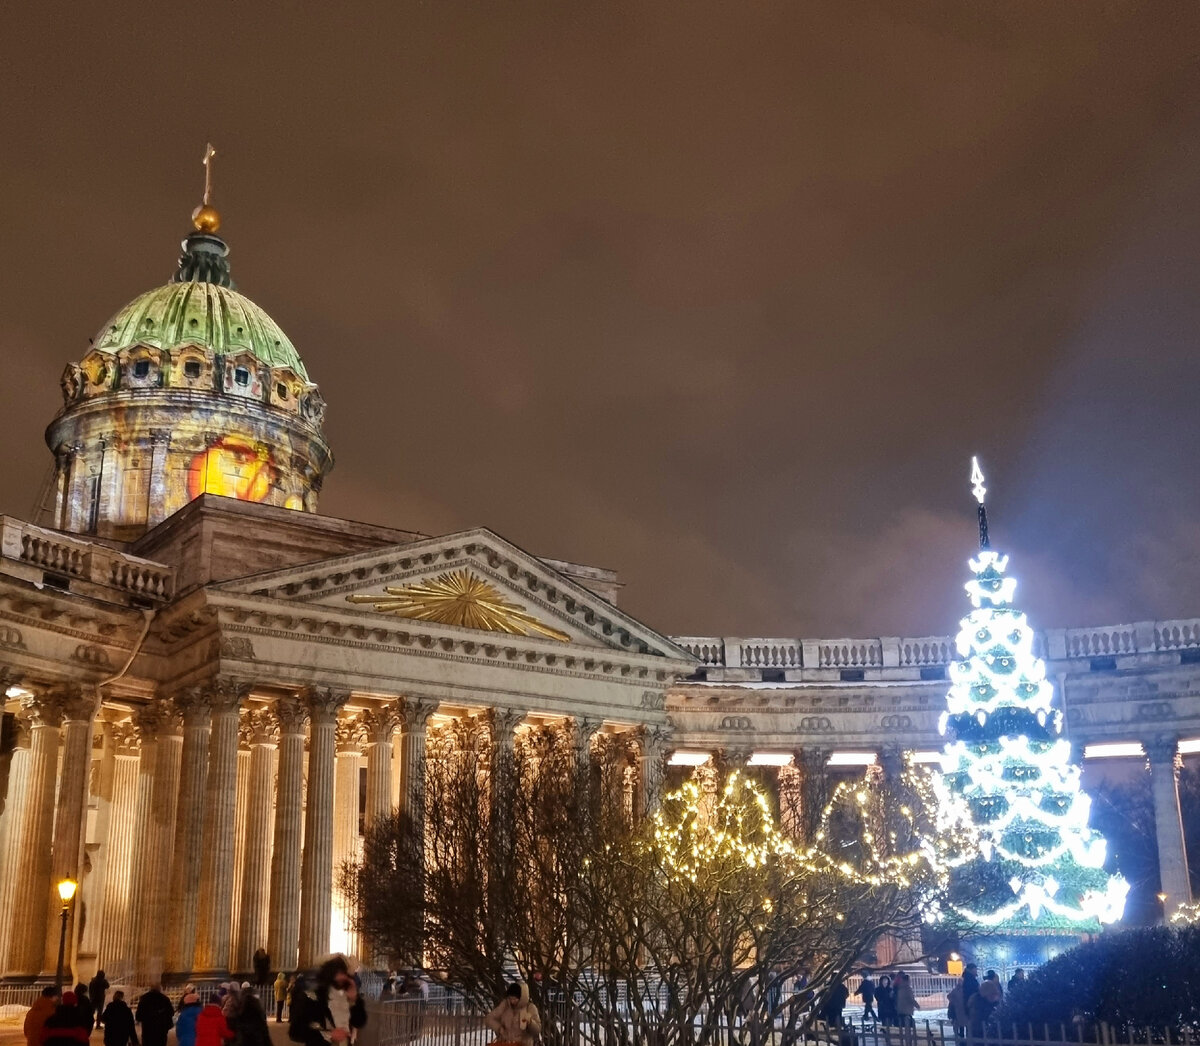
(1006, 760)
(463, 599)
(232, 467)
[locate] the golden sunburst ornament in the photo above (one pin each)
(463, 599)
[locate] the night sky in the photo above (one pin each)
(721, 296)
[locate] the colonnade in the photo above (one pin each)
(207, 826)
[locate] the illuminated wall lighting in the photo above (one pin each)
(1189, 747)
(852, 759)
(927, 757)
(1112, 750)
(688, 758)
(770, 759)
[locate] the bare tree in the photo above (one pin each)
(692, 926)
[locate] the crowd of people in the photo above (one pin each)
(973, 1002)
(325, 1010)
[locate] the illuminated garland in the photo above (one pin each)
(1008, 766)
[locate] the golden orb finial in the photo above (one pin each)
(206, 218)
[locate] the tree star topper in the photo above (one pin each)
(977, 487)
(463, 599)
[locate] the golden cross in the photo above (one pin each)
(209, 153)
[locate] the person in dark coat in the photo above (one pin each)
(65, 1026)
(262, 968)
(885, 1000)
(866, 991)
(250, 1025)
(836, 1003)
(970, 982)
(155, 1014)
(119, 1029)
(97, 989)
(331, 1012)
(86, 1010)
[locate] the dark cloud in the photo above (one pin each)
(719, 295)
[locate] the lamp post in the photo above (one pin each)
(66, 890)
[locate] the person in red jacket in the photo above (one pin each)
(212, 1029)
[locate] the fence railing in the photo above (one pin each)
(931, 652)
(450, 1022)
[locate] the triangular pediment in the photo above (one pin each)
(474, 582)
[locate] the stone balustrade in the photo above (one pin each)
(75, 559)
(902, 657)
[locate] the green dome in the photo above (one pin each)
(195, 312)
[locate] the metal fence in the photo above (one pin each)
(446, 1020)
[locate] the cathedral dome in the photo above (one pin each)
(193, 312)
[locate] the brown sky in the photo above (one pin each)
(719, 295)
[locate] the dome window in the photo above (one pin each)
(241, 375)
(141, 369)
(281, 391)
(191, 369)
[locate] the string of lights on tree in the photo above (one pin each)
(1039, 865)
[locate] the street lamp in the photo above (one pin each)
(66, 890)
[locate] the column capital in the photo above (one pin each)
(735, 758)
(583, 731)
(194, 704)
(41, 709)
(226, 694)
(891, 761)
(1162, 750)
(654, 738)
(504, 723)
(258, 727)
(416, 712)
(813, 758)
(348, 736)
(126, 738)
(323, 702)
(22, 736)
(78, 704)
(379, 724)
(291, 715)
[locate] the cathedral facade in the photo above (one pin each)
(211, 690)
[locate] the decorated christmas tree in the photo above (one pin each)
(1041, 867)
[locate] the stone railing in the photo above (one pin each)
(933, 652)
(76, 558)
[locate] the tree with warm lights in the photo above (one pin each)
(704, 917)
(681, 928)
(1040, 867)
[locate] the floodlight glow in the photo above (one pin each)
(852, 759)
(1190, 746)
(1113, 750)
(770, 759)
(689, 758)
(926, 757)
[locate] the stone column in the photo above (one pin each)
(145, 722)
(32, 835)
(218, 844)
(283, 924)
(906, 946)
(262, 728)
(162, 761)
(98, 800)
(79, 709)
(652, 754)
(814, 788)
(414, 732)
(316, 870)
(184, 903)
(1168, 825)
(14, 806)
(379, 725)
(240, 816)
(349, 744)
(115, 954)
